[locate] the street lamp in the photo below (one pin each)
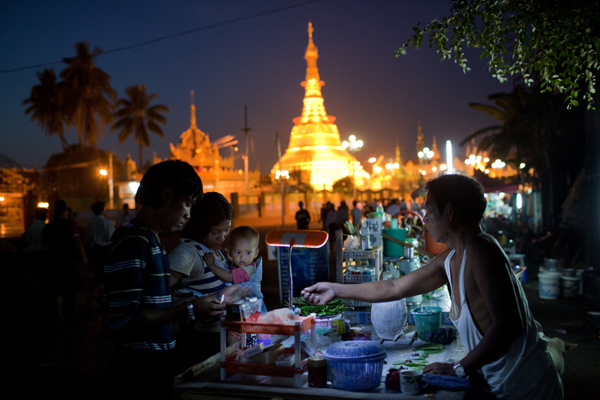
(425, 155)
(109, 173)
(353, 145)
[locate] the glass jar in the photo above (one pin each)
(317, 372)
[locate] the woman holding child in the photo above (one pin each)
(199, 268)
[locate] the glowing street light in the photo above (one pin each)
(449, 156)
(426, 154)
(283, 174)
(109, 174)
(352, 144)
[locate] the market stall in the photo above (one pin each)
(208, 385)
(282, 366)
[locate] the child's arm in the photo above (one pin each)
(220, 273)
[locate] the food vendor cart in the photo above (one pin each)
(206, 384)
(223, 376)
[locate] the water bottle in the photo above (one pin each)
(408, 264)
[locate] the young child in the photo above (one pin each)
(246, 269)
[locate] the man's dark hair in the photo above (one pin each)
(60, 206)
(243, 232)
(41, 213)
(211, 211)
(464, 193)
(354, 203)
(175, 174)
(301, 204)
(98, 208)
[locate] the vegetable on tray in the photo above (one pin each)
(334, 307)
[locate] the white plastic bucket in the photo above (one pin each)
(549, 285)
(569, 286)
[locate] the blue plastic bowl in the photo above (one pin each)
(356, 365)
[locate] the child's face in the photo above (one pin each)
(176, 214)
(244, 251)
(216, 237)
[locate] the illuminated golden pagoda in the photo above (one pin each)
(315, 146)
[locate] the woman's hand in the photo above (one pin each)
(210, 258)
(440, 369)
(319, 294)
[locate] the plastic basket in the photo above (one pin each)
(355, 365)
(357, 376)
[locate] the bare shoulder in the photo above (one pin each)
(439, 260)
(484, 250)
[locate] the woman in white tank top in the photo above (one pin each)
(505, 344)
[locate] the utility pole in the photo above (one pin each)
(280, 178)
(111, 204)
(245, 157)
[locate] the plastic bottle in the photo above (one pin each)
(408, 264)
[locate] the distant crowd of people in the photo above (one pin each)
(63, 251)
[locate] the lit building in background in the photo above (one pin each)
(217, 172)
(315, 147)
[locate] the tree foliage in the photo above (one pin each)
(87, 96)
(555, 42)
(74, 173)
(46, 106)
(136, 115)
(535, 129)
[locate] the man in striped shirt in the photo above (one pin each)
(137, 277)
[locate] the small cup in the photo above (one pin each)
(411, 382)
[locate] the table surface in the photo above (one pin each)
(208, 385)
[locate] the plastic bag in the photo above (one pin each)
(281, 316)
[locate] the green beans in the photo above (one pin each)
(334, 307)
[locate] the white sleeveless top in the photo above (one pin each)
(526, 370)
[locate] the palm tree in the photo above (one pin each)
(520, 133)
(136, 114)
(87, 96)
(46, 107)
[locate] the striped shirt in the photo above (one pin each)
(136, 274)
(198, 279)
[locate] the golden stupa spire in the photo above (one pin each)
(193, 114)
(313, 110)
(315, 148)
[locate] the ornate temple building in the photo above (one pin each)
(217, 173)
(315, 147)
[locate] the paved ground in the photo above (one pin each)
(44, 359)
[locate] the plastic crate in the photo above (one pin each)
(359, 276)
(362, 254)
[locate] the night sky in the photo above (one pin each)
(257, 61)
